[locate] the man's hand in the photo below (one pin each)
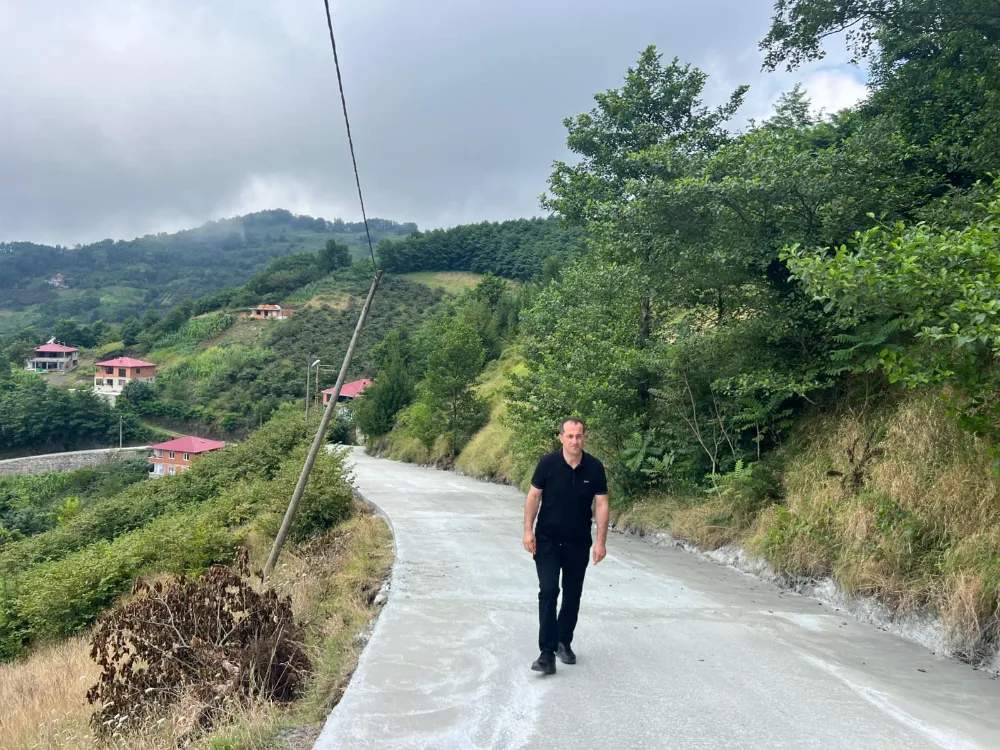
(529, 542)
(531, 503)
(600, 551)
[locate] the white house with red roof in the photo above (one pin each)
(53, 357)
(114, 374)
(175, 456)
(348, 391)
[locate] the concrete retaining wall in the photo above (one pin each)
(67, 461)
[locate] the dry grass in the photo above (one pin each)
(647, 515)
(332, 580)
(488, 455)
(332, 301)
(452, 282)
(401, 446)
(703, 522)
(245, 331)
(922, 532)
(43, 698)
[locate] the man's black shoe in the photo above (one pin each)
(565, 654)
(545, 663)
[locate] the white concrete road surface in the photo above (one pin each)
(674, 651)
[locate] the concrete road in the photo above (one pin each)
(674, 651)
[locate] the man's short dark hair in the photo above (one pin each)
(575, 420)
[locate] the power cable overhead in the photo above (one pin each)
(347, 122)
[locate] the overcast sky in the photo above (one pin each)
(123, 118)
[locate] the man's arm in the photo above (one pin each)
(602, 511)
(531, 503)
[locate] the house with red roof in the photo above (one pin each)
(271, 312)
(175, 456)
(53, 357)
(114, 374)
(348, 391)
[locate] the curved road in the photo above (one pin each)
(674, 651)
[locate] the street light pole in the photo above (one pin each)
(316, 389)
(307, 386)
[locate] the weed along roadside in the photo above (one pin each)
(324, 587)
(910, 550)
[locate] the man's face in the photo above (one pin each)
(572, 438)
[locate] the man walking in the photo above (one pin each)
(571, 486)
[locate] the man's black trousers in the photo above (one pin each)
(551, 559)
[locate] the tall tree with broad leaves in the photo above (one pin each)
(648, 130)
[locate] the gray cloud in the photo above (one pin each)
(118, 119)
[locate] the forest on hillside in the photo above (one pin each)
(514, 249)
(111, 280)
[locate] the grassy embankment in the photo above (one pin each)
(487, 456)
(917, 527)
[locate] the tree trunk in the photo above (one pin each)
(643, 385)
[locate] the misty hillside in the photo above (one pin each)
(113, 279)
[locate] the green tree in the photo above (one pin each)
(658, 110)
(935, 70)
(451, 369)
(799, 27)
(71, 333)
(130, 331)
(334, 255)
(650, 130)
(392, 390)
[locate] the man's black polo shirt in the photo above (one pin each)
(567, 496)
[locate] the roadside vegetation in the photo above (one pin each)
(782, 337)
(31, 505)
(86, 581)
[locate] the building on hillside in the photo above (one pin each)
(271, 312)
(53, 357)
(348, 392)
(58, 281)
(175, 456)
(114, 374)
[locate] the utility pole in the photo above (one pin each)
(309, 366)
(120, 418)
(320, 437)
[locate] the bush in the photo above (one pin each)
(325, 502)
(215, 641)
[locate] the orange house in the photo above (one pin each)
(271, 312)
(175, 456)
(114, 374)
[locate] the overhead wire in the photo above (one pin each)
(350, 140)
